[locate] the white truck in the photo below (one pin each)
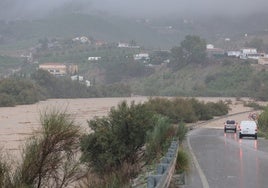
(248, 128)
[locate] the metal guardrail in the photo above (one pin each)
(165, 168)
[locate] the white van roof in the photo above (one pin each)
(248, 122)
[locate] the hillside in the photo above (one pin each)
(217, 77)
(158, 33)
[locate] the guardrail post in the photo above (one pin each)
(165, 169)
(166, 160)
(161, 168)
(153, 180)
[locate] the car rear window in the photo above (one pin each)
(230, 122)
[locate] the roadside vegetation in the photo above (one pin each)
(122, 145)
(187, 110)
(263, 123)
(49, 158)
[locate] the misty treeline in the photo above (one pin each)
(131, 137)
(17, 90)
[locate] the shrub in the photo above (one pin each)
(5, 172)
(6, 100)
(186, 110)
(201, 110)
(218, 109)
(19, 91)
(181, 131)
(254, 105)
(49, 159)
(118, 138)
(263, 121)
(183, 110)
(158, 139)
(182, 163)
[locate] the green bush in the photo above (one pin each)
(186, 110)
(254, 105)
(5, 172)
(49, 158)
(19, 91)
(263, 121)
(158, 139)
(6, 100)
(218, 109)
(53, 151)
(183, 162)
(118, 138)
(181, 131)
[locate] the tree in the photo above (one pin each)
(118, 138)
(191, 50)
(50, 158)
(19, 91)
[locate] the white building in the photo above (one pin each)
(88, 84)
(247, 51)
(210, 46)
(123, 45)
(77, 77)
(93, 58)
(82, 39)
(233, 53)
(142, 56)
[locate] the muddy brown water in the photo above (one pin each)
(20, 122)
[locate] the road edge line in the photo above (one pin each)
(200, 171)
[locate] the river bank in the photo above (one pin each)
(20, 122)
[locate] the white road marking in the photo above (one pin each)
(200, 171)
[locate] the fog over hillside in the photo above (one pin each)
(22, 9)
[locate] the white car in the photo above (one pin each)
(230, 125)
(248, 128)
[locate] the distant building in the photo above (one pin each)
(82, 39)
(233, 53)
(247, 51)
(210, 46)
(123, 45)
(93, 58)
(126, 45)
(142, 56)
(59, 69)
(255, 56)
(263, 61)
(250, 53)
(88, 84)
(77, 78)
(216, 52)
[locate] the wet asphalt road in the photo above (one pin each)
(225, 161)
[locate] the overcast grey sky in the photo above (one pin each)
(164, 7)
(20, 8)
